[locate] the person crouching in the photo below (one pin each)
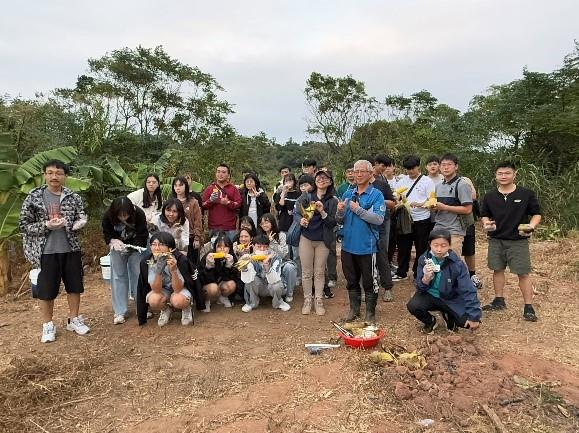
(443, 284)
(163, 281)
(262, 276)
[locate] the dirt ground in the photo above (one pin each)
(237, 372)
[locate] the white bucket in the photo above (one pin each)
(33, 277)
(106, 267)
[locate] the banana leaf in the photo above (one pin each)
(119, 172)
(33, 166)
(9, 215)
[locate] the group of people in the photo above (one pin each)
(264, 246)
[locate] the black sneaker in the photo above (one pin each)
(496, 305)
(529, 314)
(450, 323)
(429, 329)
(328, 293)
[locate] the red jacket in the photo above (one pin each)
(222, 217)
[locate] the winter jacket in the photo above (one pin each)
(191, 283)
(33, 218)
(262, 203)
(138, 236)
(456, 288)
(222, 217)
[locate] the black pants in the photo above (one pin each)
(356, 267)
(382, 261)
(332, 264)
(418, 237)
(392, 238)
(423, 302)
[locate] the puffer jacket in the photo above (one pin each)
(33, 218)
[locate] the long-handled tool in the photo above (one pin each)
(341, 329)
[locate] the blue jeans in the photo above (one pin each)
(289, 276)
(124, 278)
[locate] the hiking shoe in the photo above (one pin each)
(48, 332)
(164, 317)
(284, 306)
(307, 307)
(76, 324)
(328, 294)
(225, 301)
(118, 319)
(319, 307)
(429, 329)
(246, 308)
(529, 314)
(332, 284)
(186, 316)
(497, 304)
(476, 282)
(387, 296)
(289, 299)
(397, 277)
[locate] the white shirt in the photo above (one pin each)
(151, 212)
(419, 194)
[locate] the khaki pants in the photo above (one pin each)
(456, 244)
(313, 257)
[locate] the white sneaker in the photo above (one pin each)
(331, 284)
(225, 301)
(149, 314)
(164, 317)
(48, 332)
(289, 299)
(118, 319)
(186, 317)
(284, 306)
(207, 307)
(246, 308)
(76, 324)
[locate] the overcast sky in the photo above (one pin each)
(262, 52)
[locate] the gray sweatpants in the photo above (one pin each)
(260, 287)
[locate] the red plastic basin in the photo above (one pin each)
(362, 343)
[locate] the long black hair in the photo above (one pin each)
(157, 193)
(182, 180)
(180, 210)
(274, 227)
(118, 206)
(255, 179)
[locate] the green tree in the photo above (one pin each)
(337, 107)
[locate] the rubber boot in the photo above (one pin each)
(354, 312)
(371, 299)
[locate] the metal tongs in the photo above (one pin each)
(342, 329)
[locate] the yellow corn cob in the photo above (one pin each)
(218, 255)
(258, 257)
(431, 202)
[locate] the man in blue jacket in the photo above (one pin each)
(361, 211)
(443, 284)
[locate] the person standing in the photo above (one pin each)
(148, 198)
(254, 200)
(124, 227)
(389, 173)
(433, 169)
(283, 171)
(222, 201)
(419, 187)
(503, 211)
(316, 210)
(50, 218)
(361, 212)
(454, 202)
(309, 167)
(349, 183)
(193, 214)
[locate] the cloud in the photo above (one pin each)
(262, 52)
